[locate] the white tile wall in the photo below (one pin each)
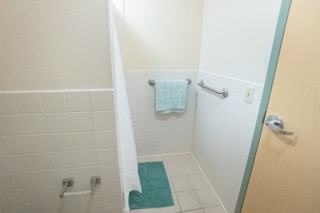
(10, 125)
(29, 102)
(14, 144)
(8, 104)
(157, 133)
(78, 101)
(47, 136)
(224, 130)
(54, 102)
(34, 123)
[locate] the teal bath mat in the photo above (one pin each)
(155, 186)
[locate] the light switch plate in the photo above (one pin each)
(248, 96)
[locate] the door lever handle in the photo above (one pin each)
(275, 123)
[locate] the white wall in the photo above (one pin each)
(162, 41)
(236, 45)
(47, 131)
(54, 45)
(48, 136)
(157, 133)
(163, 34)
(223, 133)
(237, 38)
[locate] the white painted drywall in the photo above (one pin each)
(237, 37)
(54, 45)
(163, 34)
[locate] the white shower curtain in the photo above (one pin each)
(127, 148)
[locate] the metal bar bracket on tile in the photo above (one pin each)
(152, 82)
(68, 182)
(95, 180)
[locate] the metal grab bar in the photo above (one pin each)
(94, 181)
(152, 82)
(68, 182)
(224, 91)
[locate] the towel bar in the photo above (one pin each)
(151, 82)
(224, 91)
(68, 182)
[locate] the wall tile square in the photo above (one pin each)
(112, 200)
(103, 120)
(50, 192)
(8, 104)
(83, 140)
(26, 179)
(14, 145)
(107, 156)
(6, 182)
(9, 197)
(17, 208)
(10, 125)
(78, 101)
(29, 102)
(117, 209)
(85, 173)
(34, 123)
(30, 195)
(109, 172)
(2, 152)
(34, 208)
(49, 177)
(42, 161)
(52, 206)
(101, 100)
(38, 143)
(106, 139)
(64, 160)
(94, 202)
(72, 205)
(86, 158)
(110, 187)
(4, 168)
(54, 102)
(57, 122)
(81, 121)
(20, 163)
(61, 142)
(69, 172)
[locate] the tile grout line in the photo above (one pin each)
(208, 182)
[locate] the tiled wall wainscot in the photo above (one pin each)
(157, 133)
(50, 135)
(224, 130)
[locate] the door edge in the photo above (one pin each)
(278, 38)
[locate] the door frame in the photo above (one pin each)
(279, 34)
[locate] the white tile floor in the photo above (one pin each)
(190, 189)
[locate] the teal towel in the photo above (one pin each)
(155, 185)
(171, 95)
